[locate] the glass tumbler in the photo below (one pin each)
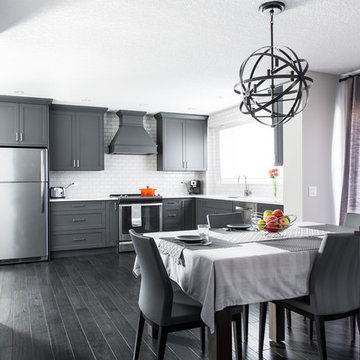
(203, 230)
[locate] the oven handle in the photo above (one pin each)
(141, 204)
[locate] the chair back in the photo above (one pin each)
(352, 220)
(221, 220)
(335, 278)
(156, 294)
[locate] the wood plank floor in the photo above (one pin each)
(86, 308)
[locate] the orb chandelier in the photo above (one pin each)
(272, 82)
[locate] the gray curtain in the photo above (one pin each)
(350, 197)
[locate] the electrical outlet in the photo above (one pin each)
(312, 191)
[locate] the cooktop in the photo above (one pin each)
(136, 198)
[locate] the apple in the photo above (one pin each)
(267, 213)
(284, 223)
(261, 224)
(278, 213)
(287, 218)
(272, 224)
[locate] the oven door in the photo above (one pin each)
(151, 221)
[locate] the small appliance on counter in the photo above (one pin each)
(59, 192)
(195, 187)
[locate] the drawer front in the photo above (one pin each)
(77, 205)
(171, 203)
(172, 216)
(77, 221)
(172, 227)
(77, 240)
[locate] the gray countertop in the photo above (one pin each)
(251, 199)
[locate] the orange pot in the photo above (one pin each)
(147, 191)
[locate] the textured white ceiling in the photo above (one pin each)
(161, 55)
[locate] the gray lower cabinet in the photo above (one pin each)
(178, 214)
(80, 225)
(262, 207)
(182, 142)
(24, 121)
(210, 206)
(76, 138)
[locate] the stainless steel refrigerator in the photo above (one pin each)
(23, 205)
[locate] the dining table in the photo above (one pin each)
(240, 267)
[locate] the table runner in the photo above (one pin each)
(174, 247)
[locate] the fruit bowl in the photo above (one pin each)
(271, 223)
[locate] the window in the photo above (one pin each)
(247, 149)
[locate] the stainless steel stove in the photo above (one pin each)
(141, 213)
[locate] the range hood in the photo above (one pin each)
(132, 138)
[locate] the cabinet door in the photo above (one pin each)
(112, 223)
(9, 124)
(195, 145)
(62, 140)
(34, 125)
(173, 144)
(188, 208)
(262, 207)
(90, 146)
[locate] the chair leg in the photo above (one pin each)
(352, 327)
(311, 332)
(237, 335)
(288, 318)
(245, 310)
(358, 320)
(138, 338)
(163, 333)
(320, 334)
(202, 337)
(263, 310)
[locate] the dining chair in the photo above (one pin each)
(334, 287)
(160, 306)
(352, 220)
(221, 220)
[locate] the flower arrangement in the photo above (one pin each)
(274, 173)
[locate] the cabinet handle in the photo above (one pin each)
(78, 163)
(172, 215)
(74, 163)
(17, 136)
(79, 239)
(78, 205)
(21, 137)
(171, 203)
(78, 220)
(115, 207)
(187, 164)
(184, 164)
(242, 208)
(182, 203)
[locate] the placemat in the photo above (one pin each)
(296, 244)
(329, 228)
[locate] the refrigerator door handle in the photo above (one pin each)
(43, 165)
(42, 195)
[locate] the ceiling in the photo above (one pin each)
(160, 55)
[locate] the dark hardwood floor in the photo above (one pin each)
(86, 308)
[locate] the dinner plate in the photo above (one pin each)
(189, 238)
(238, 226)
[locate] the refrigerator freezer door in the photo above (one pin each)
(23, 165)
(23, 221)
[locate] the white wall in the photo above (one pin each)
(308, 154)
(123, 173)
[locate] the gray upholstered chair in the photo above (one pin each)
(221, 220)
(352, 221)
(334, 287)
(162, 307)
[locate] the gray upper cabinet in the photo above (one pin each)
(182, 142)
(76, 138)
(24, 121)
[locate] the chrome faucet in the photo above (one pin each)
(247, 191)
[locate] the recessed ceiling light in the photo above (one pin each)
(19, 92)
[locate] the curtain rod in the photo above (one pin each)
(348, 77)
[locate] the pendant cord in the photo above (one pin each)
(272, 60)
